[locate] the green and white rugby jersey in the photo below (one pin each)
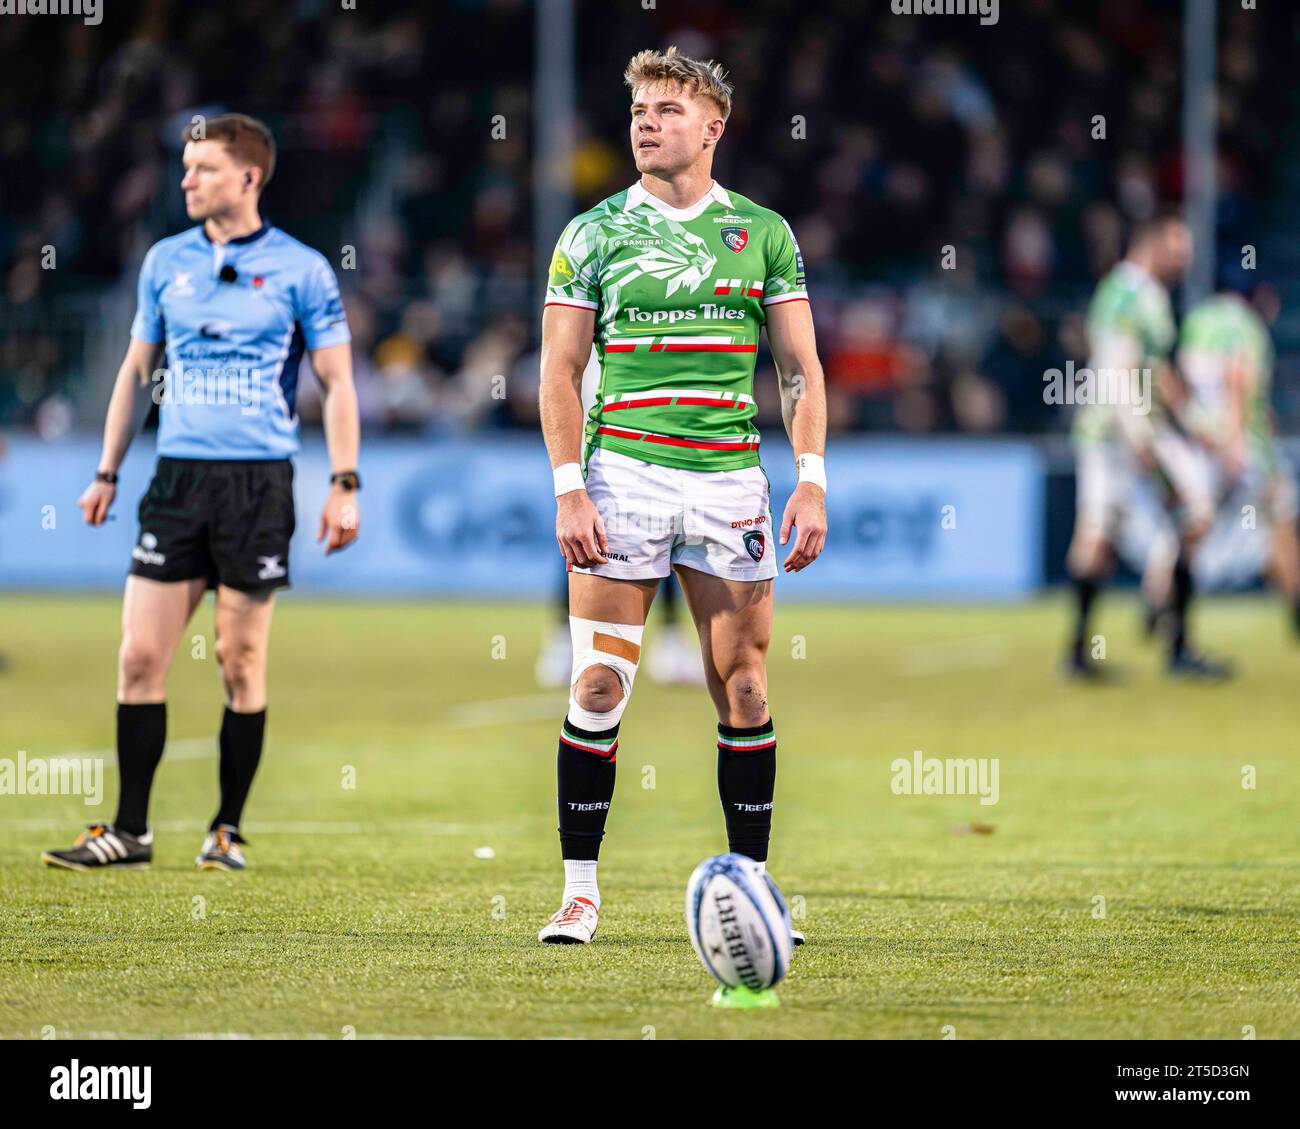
(1222, 331)
(679, 295)
(1128, 305)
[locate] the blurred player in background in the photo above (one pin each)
(1131, 329)
(232, 304)
(680, 275)
(1226, 359)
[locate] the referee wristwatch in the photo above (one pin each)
(347, 479)
(106, 476)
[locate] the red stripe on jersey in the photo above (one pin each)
(708, 402)
(619, 348)
(655, 402)
(671, 348)
(673, 441)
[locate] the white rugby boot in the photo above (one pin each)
(573, 924)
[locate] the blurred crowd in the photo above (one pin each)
(956, 189)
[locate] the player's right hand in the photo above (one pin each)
(579, 530)
(96, 500)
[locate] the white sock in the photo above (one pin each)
(580, 880)
(762, 867)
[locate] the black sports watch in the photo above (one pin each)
(348, 479)
(108, 476)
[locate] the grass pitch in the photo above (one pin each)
(366, 908)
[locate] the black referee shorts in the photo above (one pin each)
(227, 520)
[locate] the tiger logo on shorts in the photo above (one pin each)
(755, 543)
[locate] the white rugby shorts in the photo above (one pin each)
(716, 521)
(1105, 473)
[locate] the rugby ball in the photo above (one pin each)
(738, 922)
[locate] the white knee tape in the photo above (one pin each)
(615, 645)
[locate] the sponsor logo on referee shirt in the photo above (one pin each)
(220, 385)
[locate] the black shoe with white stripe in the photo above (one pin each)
(101, 846)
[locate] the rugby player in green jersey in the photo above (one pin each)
(1226, 357)
(1128, 428)
(674, 278)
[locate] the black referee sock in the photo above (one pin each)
(141, 736)
(241, 750)
(746, 785)
(585, 772)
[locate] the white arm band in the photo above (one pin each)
(812, 468)
(568, 477)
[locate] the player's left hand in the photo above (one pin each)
(340, 520)
(806, 511)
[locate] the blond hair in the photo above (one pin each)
(705, 80)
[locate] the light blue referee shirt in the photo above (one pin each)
(233, 346)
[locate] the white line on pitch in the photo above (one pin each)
(315, 827)
(182, 749)
(503, 711)
(248, 1035)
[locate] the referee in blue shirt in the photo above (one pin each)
(232, 304)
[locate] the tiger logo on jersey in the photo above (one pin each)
(735, 238)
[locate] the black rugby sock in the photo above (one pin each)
(242, 737)
(585, 777)
(141, 736)
(746, 785)
(1085, 594)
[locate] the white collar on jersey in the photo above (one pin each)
(637, 195)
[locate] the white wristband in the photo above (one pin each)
(812, 468)
(568, 477)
